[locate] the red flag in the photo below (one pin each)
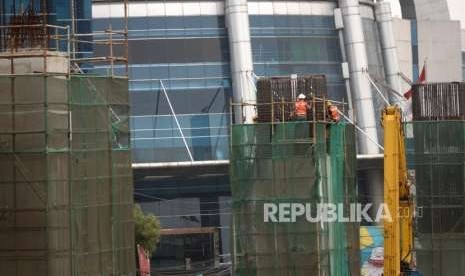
(144, 261)
(420, 80)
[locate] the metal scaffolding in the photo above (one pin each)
(66, 200)
(28, 34)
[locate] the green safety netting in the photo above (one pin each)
(294, 162)
(436, 159)
(65, 176)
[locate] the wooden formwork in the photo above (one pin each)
(276, 97)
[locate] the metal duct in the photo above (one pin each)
(358, 65)
(389, 50)
(237, 22)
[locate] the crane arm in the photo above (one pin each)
(398, 232)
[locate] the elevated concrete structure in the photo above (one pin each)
(30, 61)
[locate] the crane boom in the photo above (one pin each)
(398, 232)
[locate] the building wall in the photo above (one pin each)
(463, 53)
(432, 10)
(192, 59)
(188, 48)
(192, 197)
(402, 34)
(189, 54)
(303, 45)
(463, 64)
(440, 45)
(435, 38)
(296, 38)
(185, 44)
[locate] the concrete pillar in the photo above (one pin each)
(362, 98)
(237, 23)
(338, 22)
(360, 86)
(389, 50)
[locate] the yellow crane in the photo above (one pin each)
(398, 232)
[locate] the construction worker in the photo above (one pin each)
(301, 108)
(333, 112)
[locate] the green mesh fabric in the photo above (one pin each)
(65, 177)
(436, 157)
(336, 195)
(292, 162)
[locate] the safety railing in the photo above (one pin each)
(108, 48)
(280, 110)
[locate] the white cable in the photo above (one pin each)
(252, 81)
(406, 79)
(255, 76)
(404, 112)
(385, 85)
(176, 120)
(377, 89)
(361, 130)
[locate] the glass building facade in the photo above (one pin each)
(179, 68)
(297, 44)
(180, 51)
(184, 61)
(190, 57)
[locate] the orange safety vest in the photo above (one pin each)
(301, 108)
(333, 113)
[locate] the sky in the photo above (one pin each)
(456, 8)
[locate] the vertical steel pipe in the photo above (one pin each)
(358, 65)
(237, 22)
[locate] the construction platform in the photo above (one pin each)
(66, 200)
(293, 162)
(436, 160)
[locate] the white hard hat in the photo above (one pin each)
(302, 97)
